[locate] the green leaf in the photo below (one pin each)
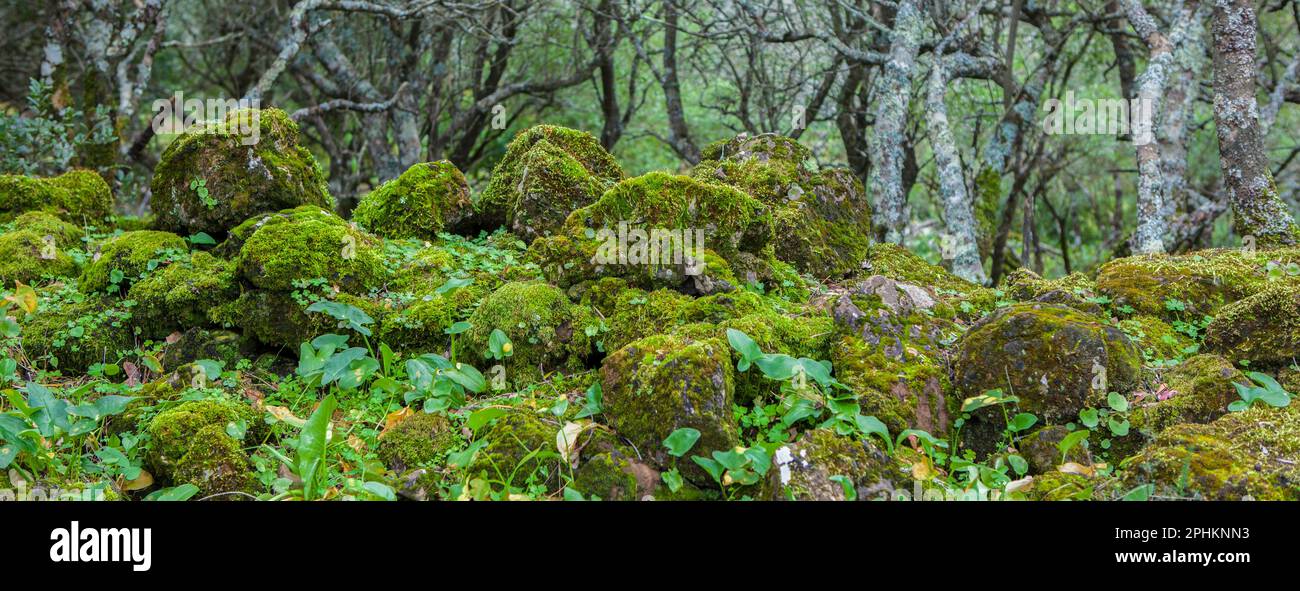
(681, 441)
(311, 446)
(1069, 441)
(1022, 421)
(482, 417)
(595, 402)
(499, 345)
(713, 468)
(202, 238)
(458, 327)
(1117, 402)
(1018, 464)
(744, 345)
(1118, 428)
(1090, 417)
(453, 283)
(673, 479)
(175, 493)
(846, 484)
(870, 425)
(381, 490)
(1139, 493)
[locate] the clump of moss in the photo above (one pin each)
(802, 471)
(1055, 485)
(895, 262)
(419, 326)
(179, 295)
(238, 180)
(197, 343)
(29, 256)
(1203, 390)
(63, 234)
(126, 258)
(546, 331)
(1157, 340)
(1202, 282)
(421, 440)
(639, 313)
(79, 196)
(309, 243)
(1048, 356)
(823, 218)
(79, 330)
(610, 476)
(798, 336)
(430, 197)
(1040, 450)
(189, 444)
(662, 383)
(1255, 453)
(547, 173)
(277, 319)
(509, 458)
(1263, 329)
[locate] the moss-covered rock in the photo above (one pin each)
(1253, 454)
(547, 173)
(798, 336)
(128, 257)
(419, 326)
(1049, 356)
(1263, 329)
(30, 256)
(77, 331)
(547, 332)
(310, 243)
(1040, 450)
(189, 444)
(897, 263)
(803, 470)
(1201, 282)
(279, 319)
(508, 457)
(179, 295)
(639, 314)
(1202, 390)
(422, 440)
(430, 197)
(823, 218)
(662, 383)
(1068, 486)
(62, 234)
(78, 196)
(200, 343)
(612, 476)
(1156, 339)
(239, 180)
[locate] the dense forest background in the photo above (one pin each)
(380, 85)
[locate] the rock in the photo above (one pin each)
(191, 445)
(427, 199)
(129, 257)
(895, 262)
(1047, 355)
(78, 331)
(1040, 451)
(823, 218)
(508, 455)
(179, 295)
(422, 440)
(1201, 282)
(276, 319)
(662, 383)
(1263, 328)
(546, 331)
(40, 245)
(78, 196)
(200, 343)
(802, 471)
(310, 243)
(547, 173)
(239, 180)
(1252, 454)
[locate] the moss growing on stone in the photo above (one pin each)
(196, 343)
(802, 471)
(179, 295)
(662, 383)
(189, 444)
(28, 256)
(1203, 281)
(79, 332)
(1155, 338)
(1047, 355)
(547, 332)
(508, 458)
(78, 196)
(215, 462)
(609, 476)
(1263, 329)
(547, 173)
(421, 440)
(1203, 386)
(63, 234)
(126, 258)
(277, 319)
(309, 243)
(239, 180)
(430, 197)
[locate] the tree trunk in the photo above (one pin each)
(885, 180)
(960, 245)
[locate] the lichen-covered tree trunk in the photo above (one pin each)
(1189, 58)
(1259, 211)
(885, 181)
(961, 251)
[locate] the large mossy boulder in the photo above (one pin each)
(546, 331)
(823, 218)
(427, 199)
(814, 468)
(547, 173)
(1263, 329)
(211, 179)
(191, 445)
(179, 295)
(421, 440)
(73, 331)
(310, 243)
(130, 257)
(514, 452)
(967, 300)
(77, 196)
(38, 246)
(1055, 359)
(1251, 454)
(662, 383)
(278, 319)
(1196, 284)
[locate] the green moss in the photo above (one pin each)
(547, 332)
(1156, 339)
(1024, 284)
(1203, 281)
(179, 295)
(310, 243)
(1255, 453)
(199, 343)
(63, 234)
(1045, 355)
(1263, 328)
(421, 440)
(75, 331)
(609, 476)
(134, 255)
(1065, 486)
(819, 455)
(78, 196)
(430, 197)
(1203, 386)
(419, 326)
(27, 256)
(189, 444)
(509, 458)
(547, 173)
(662, 383)
(797, 336)
(1040, 449)
(277, 319)
(215, 462)
(240, 180)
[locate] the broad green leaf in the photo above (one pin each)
(681, 441)
(311, 446)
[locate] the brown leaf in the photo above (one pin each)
(396, 417)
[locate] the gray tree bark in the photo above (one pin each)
(885, 181)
